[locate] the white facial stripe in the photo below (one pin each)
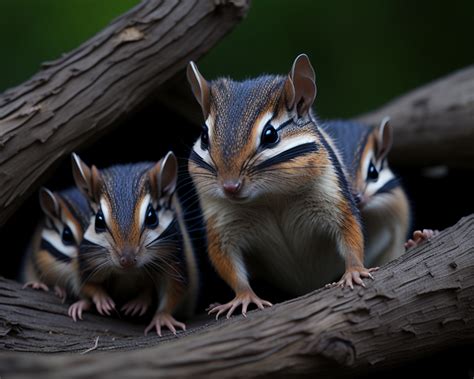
(143, 208)
(210, 125)
(104, 205)
(284, 145)
(384, 177)
(204, 154)
(97, 238)
(55, 239)
(263, 121)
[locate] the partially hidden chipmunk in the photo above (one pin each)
(382, 201)
(136, 250)
(52, 257)
(272, 186)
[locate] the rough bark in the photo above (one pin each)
(433, 124)
(419, 304)
(85, 93)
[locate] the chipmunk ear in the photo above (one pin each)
(87, 179)
(163, 176)
(384, 138)
(168, 174)
(303, 78)
(200, 88)
(49, 203)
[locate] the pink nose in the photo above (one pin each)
(232, 186)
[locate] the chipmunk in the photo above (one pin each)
(136, 248)
(383, 204)
(274, 193)
(52, 259)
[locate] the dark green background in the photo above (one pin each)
(364, 53)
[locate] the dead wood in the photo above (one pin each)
(433, 124)
(419, 304)
(84, 94)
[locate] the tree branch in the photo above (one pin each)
(417, 305)
(85, 93)
(433, 124)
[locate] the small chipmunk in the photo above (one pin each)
(272, 187)
(52, 259)
(136, 248)
(383, 204)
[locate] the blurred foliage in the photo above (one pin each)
(364, 52)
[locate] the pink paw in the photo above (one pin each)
(36, 286)
(103, 303)
(76, 309)
(353, 276)
(419, 237)
(244, 299)
(136, 307)
(164, 319)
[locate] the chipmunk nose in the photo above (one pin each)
(128, 259)
(232, 186)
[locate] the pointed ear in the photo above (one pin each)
(384, 138)
(304, 83)
(49, 203)
(87, 179)
(200, 88)
(168, 174)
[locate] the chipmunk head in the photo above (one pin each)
(66, 213)
(256, 134)
(373, 175)
(132, 212)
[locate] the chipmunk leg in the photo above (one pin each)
(60, 292)
(352, 246)
(171, 293)
(419, 237)
(231, 268)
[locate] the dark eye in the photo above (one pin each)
(67, 236)
(100, 225)
(204, 138)
(151, 219)
(372, 173)
(269, 136)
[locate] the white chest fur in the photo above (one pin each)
(289, 241)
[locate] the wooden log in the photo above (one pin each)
(420, 304)
(433, 124)
(88, 91)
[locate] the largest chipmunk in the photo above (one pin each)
(272, 186)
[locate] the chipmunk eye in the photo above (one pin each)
(269, 136)
(67, 236)
(372, 173)
(100, 225)
(151, 218)
(204, 138)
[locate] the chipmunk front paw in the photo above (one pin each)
(36, 286)
(164, 319)
(76, 309)
(245, 299)
(353, 275)
(419, 237)
(103, 303)
(137, 306)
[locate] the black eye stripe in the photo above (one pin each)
(204, 137)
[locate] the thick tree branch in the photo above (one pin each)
(433, 124)
(417, 305)
(85, 93)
